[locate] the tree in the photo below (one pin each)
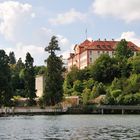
(78, 86)
(104, 69)
(5, 79)
(53, 46)
(122, 51)
(86, 95)
(12, 59)
(40, 70)
(98, 89)
(17, 79)
(135, 64)
(19, 65)
(53, 92)
(29, 77)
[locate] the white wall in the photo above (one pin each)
(39, 85)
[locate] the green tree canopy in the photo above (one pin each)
(135, 63)
(53, 92)
(53, 46)
(5, 79)
(19, 65)
(122, 51)
(12, 59)
(29, 77)
(104, 69)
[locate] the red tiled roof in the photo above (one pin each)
(85, 43)
(103, 45)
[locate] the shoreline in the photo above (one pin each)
(102, 109)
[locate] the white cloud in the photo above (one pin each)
(13, 15)
(64, 46)
(36, 52)
(130, 36)
(18, 26)
(63, 41)
(68, 17)
(128, 10)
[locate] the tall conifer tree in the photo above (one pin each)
(29, 78)
(5, 79)
(53, 92)
(12, 59)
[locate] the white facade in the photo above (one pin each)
(39, 85)
(83, 60)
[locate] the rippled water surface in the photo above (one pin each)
(71, 127)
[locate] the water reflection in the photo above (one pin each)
(70, 127)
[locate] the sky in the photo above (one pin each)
(28, 25)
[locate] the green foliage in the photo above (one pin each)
(67, 88)
(86, 95)
(71, 77)
(135, 64)
(16, 78)
(19, 65)
(29, 78)
(12, 59)
(53, 92)
(98, 89)
(78, 86)
(122, 51)
(104, 69)
(53, 46)
(40, 70)
(133, 84)
(88, 83)
(116, 93)
(124, 68)
(124, 91)
(117, 84)
(76, 93)
(5, 80)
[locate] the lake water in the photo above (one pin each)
(70, 127)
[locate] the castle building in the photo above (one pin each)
(88, 51)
